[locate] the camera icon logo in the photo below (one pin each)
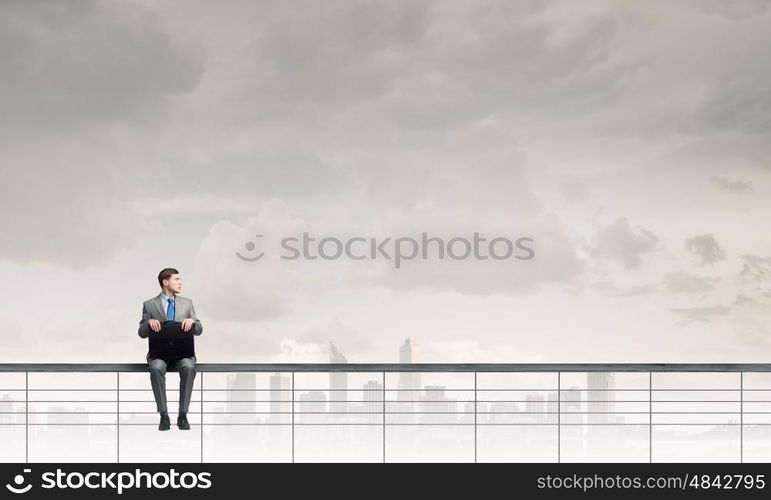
(18, 483)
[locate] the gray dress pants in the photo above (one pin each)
(186, 368)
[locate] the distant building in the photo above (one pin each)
(6, 412)
(373, 401)
(409, 382)
(312, 407)
(501, 413)
(338, 386)
(535, 406)
(552, 408)
(241, 397)
(570, 400)
(280, 399)
(435, 407)
(601, 397)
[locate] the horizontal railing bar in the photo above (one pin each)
(444, 389)
(400, 367)
(454, 424)
(288, 401)
(609, 413)
(299, 389)
(296, 412)
(463, 401)
(390, 413)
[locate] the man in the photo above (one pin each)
(168, 306)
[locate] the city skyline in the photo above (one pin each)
(518, 416)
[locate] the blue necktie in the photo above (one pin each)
(170, 311)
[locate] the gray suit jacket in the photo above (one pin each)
(154, 308)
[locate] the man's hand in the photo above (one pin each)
(155, 325)
(187, 324)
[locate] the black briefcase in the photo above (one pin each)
(171, 342)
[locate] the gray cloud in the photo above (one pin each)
(75, 75)
(50, 214)
(734, 103)
(618, 241)
(609, 288)
(701, 314)
(573, 191)
(743, 298)
(362, 51)
(87, 61)
(755, 268)
(706, 248)
(738, 185)
(737, 9)
(682, 282)
(267, 289)
(241, 291)
(428, 66)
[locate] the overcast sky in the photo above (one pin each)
(630, 140)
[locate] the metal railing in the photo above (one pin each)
(501, 411)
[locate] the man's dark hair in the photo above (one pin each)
(166, 274)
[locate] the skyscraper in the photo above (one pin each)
(570, 399)
(280, 398)
(436, 407)
(409, 382)
(373, 401)
(338, 386)
(241, 396)
(552, 407)
(572, 420)
(601, 397)
(6, 413)
(535, 406)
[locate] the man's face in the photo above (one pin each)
(174, 283)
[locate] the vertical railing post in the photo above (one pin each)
(292, 417)
(117, 417)
(741, 417)
(26, 417)
(650, 417)
(384, 417)
(475, 416)
(201, 398)
(559, 420)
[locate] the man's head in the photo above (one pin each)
(170, 280)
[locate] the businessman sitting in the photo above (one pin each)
(168, 306)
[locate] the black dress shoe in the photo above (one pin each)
(165, 423)
(182, 422)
